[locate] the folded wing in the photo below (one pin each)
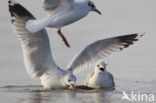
(55, 6)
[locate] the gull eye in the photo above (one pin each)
(89, 4)
(98, 65)
(69, 80)
(93, 6)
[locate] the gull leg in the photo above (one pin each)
(63, 38)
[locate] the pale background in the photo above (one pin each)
(134, 69)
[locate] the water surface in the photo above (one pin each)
(133, 68)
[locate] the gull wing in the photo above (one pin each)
(99, 50)
(88, 78)
(112, 78)
(36, 48)
(55, 6)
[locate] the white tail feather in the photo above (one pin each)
(34, 26)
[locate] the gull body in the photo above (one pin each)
(61, 13)
(79, 11)
(62, 18)
(38, 58)
(100, 78)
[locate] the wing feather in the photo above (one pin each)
(36, 47)
(99, 50)
(55, 6)
(51, 4)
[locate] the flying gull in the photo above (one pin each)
(61, 13)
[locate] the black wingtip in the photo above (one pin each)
(128, 40)
(10, 6)
(9, 2)
(141, 34)
(17, 9)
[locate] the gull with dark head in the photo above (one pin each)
(38, 58)
(61, 13)
(100, 78)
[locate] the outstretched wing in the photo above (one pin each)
(36, 47)
(55, 6)
(99, 50)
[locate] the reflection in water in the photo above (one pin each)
(101, 97)
(37, 97)
(48, 96)
(35, 94)
(62, 96)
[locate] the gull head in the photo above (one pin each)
(70, 80)
(100, 67)
(93, 7)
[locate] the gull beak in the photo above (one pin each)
(98, 12)
(72, 85)
(102, 70)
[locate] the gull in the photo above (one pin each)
(100, 78)
(38, 58)
(61, 13)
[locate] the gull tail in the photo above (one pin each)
(34, 26)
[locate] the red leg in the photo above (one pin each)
(63, 38)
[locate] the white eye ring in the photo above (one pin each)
(98, 65)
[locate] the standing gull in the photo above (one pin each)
(38, 57)
(100, 78)
(61, 13)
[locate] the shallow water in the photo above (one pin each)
(35, 94)
(133, 68)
